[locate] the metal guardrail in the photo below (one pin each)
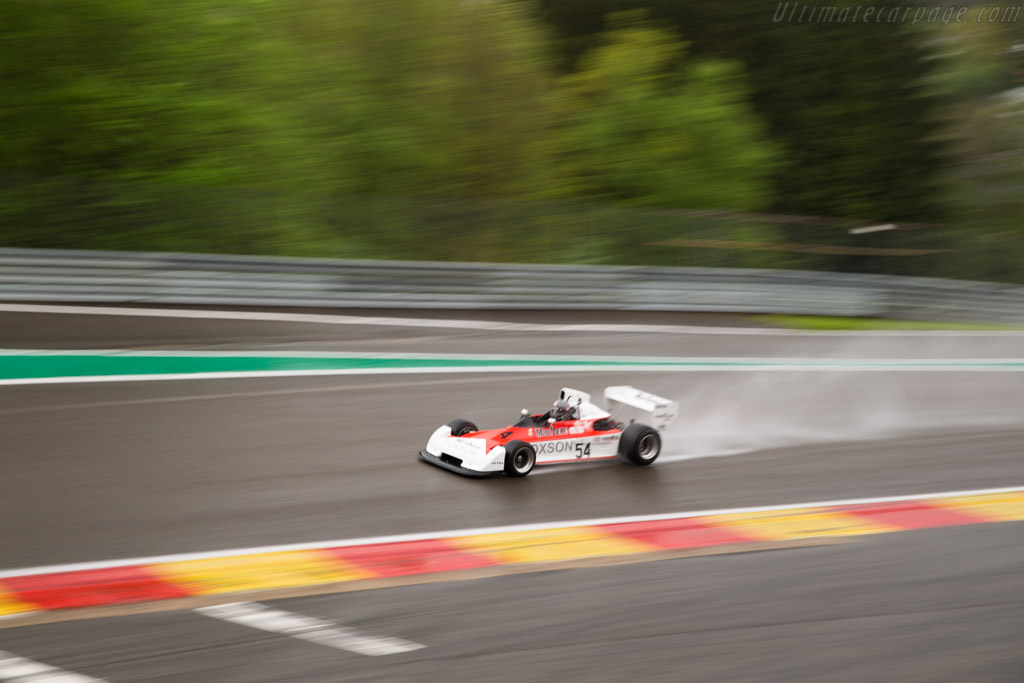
(207, 279)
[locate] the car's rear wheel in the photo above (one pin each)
(460, 427)
(519, 458)
(639, 445)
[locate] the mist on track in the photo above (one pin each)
(731, 413)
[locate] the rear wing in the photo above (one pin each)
(628, 404)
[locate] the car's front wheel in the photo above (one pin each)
(519, 458)
(639, 445)
(461, 427)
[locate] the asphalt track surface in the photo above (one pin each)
(106, 471)
(118, 470)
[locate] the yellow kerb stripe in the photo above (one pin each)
(994, 507)
(11, 605)
(550, 545)
(776, 525)
(259, 572)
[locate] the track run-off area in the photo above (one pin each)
(235, 496)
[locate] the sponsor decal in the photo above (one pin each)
(554, 431)
(462, 448)
(579, 427)
(651, 398)
(576, 448)
(547, 447)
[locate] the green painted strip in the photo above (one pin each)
(12, 367)
(41, 364)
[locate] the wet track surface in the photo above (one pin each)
(104, 471)
(123, 470)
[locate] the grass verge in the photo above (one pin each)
(814, 322)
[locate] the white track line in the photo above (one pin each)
(90, 379)
(602, 361)
(487, 325)
(258, 616)
(319, 545)
(19, 615)
(23, 670)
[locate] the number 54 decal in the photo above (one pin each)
(582, 450)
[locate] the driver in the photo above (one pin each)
(563, 411)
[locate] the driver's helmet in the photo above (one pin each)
(562, 410)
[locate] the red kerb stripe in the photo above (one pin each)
(677, 533)
(411, 557)
(916, 514)
(92, 587)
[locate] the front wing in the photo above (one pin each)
(452, 467)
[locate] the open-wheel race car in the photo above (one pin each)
(574, 430)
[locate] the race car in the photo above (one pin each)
(574, 430)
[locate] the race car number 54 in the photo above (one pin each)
(582, 450)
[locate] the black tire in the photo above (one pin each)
(460, 427)
(639, 445)
(519, 458)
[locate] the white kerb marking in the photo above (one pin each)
(23, 670)
(255, 615)
(18, 615)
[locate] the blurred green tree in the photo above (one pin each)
(845, 100)
(124, 121)
(427, 97)
(642, 124)
(428, 112)
(979, 78)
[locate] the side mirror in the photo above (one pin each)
(524, 412)
(551, 420)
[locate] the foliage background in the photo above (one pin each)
(671, 132)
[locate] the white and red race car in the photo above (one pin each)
(574, 430)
